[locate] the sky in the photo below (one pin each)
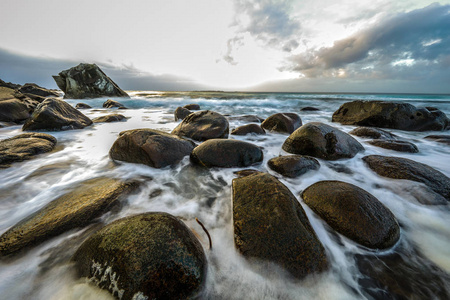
(281, 46)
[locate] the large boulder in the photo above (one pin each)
(202, 126)
(248, 129)
(226, 154)
(87, 81)
(403, 168)
(270, 225)
(14, 106)
(24, 146)
(322, 141)
(374, 133)
(282, 122)
(37, 92)
(382, 114)
(75, 209)
(147, 256)
(54, 114)
(109, 118)
(354, 213)
(150, 147)
(396, 145)
(293, 165)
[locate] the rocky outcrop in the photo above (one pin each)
(374, 133)
(401, 116)
(444, 139)
(322, 141)
(9, 85)
(192, 106)
(270, 225)
(403, 168)
(248, 129)
(153, 148)
(111, 104)
(396, 145)
(202, 126)
(54, 114)
(181, 113)
(14, 106)
(87, 81)
(109, 118)
(226, 154)
(282, 122)
(75, 209)
(293, 165)
(354, 213)
(24, 146)
(82, 106)
(36, 92)
(147, 256)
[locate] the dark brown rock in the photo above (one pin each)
(109, 118)
(153, 148)
(293, 165)
(322, 141)
(246, 172)
(309, 108)
(354, 213)
(111, 104)
(445, 139)
(396, 145)
(282, 122)
(54, 114)
(374, 133)
(82, 106)
(181, 113)
(75, 209)
(32, 89)
(192, 107)
(403, 168)
(225, 153)
(248, 129)
(202, 126)
(9, 85)
(247, 118)
(14, 106)
(270, 225)
(152, 255)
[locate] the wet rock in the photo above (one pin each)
(401, 116)
(309, 108)
(396, 145)
(192, 107)
(246, 172)
(14, 106)
(82, 106)
(270, 225)
(109, 118)
(293, 165)
(403, 168)
(282, 122)
(150, 147)
(247, 118)
(445, 139)
(87, 81)
(147, 256)
(36, 92)
(24, 146)
(202, 126)
(340, 168)
(226, 154)
(181, 113)
(111, 104)
(54, 114)
(354, 213)
(322, 141)
(374, 133)
(75, 209)
(248, 129)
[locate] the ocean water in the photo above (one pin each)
(44, 272)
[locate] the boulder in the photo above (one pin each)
(202, 126)
(109, 118)
(24, 146)
(282, 122)
(444, 139)
(246, 118)
(192, 106)
(111, 104)
(181, 113)
(403, 168)
(150, 147)
(382, 114)
(226, 154)
(147, 256)
(272, 227)
(87, 81)
(396, 145)
(54, 114)
(14, 106)
(36, 92)
(354, 213)
(82, 106)
(77, 208)
(309, 108)
(293, 165)
(248, 129)
(322, 141)
(374, 133)
(246, 172)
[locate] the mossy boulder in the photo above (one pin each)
(271, 226)
(282, 122)
(353, 212)
(109, 118)
(202, 126)
(396, 145)
(248, 129)
(147, 256)
(374, 133)
(293, 165)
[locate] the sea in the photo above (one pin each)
(419, 265)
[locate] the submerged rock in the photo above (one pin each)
(445, 139)
(374, 133)
(82, 106)
(282, 122)
(309, 108)
(270, 225)
(111, 104)
(150, 147)
(403, 168)
(87, 81)
(54, 114)
(293, 165)
(382, 114)
(248, 129)
(109, 118)
(354, 213)
(396, 145)
(202, 126)
(181, 113)
(14, 106)
(147, 256)
(226, 154)
(24, 146)
(322, 141)
(75, 209)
